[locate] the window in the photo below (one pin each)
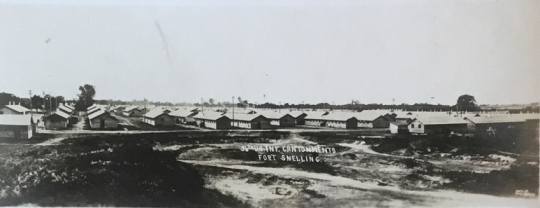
(412, 125)
(419, 125)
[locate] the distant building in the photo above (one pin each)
(493, 123)
(56, 121)
(373, 119)
(315, 118)
(132, 111)
(280, 119)
(16, 126)
(399, 127)
(158, 117)
(249, 121)
(184, 116)
(299, 117)
(102, 120)
(341, 120)
(212, 120)
(437, 124)
(92, 110)
(65, 109)
(13, 109)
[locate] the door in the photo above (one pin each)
(101, 123)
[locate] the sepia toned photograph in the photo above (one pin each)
(271, 103)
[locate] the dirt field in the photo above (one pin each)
(237, 169)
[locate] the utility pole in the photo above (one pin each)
(31, 108)
(50, 102)
(233, 109)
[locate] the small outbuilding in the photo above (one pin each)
(16, 127)
(249, 121)
(102, 120)
(158, 117)
(212, 120)
(56, 121)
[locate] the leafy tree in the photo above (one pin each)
(466, 103)
(86, 97)
(37, 101)
(211, 101)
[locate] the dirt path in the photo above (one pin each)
(366, 149)
(444, 198)
(49, 142)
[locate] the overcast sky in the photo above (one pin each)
(312, 51)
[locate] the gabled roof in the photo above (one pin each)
(18, 108)
(497, 119)
(130, 108)
(439, 120)
(60, 113)
(209, 116)
(182, 113)
(274, 115)
(400, 123)
(69, 106)
(296, 114)
(15, 120)
(92, 111)
(65, 109)
(99, 113)
(338, 116)
(315, 115)
(368, 115)
(155, 113)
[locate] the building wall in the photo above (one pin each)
(274, 122)
(55, 123)
(287, 121)
(260, 123)
(149, 121)
(416, 127)
(365, 124)
(483, 127)
(348, 124)
(8, 111)
(337, 124)
(16, 132)
(381, 122)
(222, 123)
(300, 120)
(163, 120)
(394, 128)
(429, 129)
(313, 122)
(444, 127)
(109, 122)
(134, 113)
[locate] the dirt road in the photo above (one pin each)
(402, 197)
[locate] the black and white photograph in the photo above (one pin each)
(270, 103)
